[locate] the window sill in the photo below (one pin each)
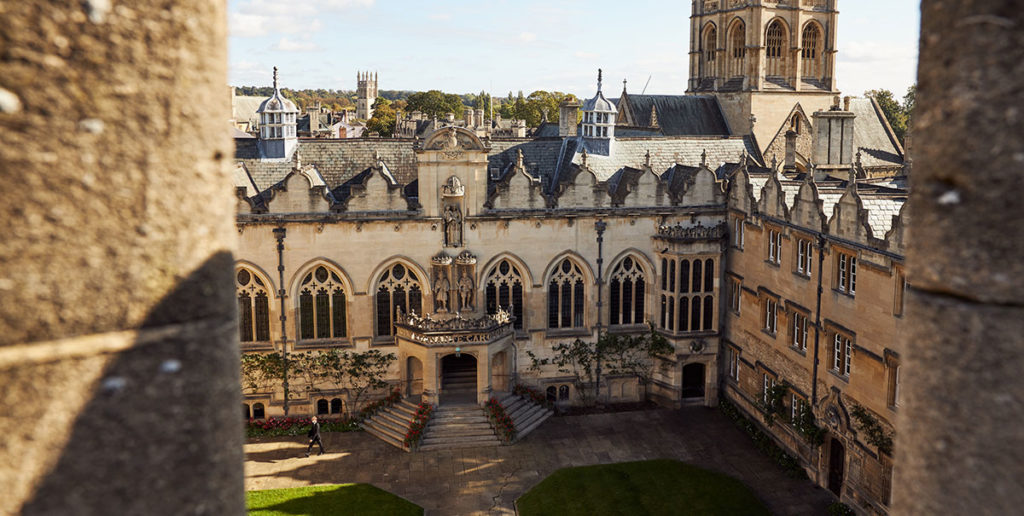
(628, 328)
(799, 350)
(802, 275)
(851, 295)
(769, 333)
(567, 332)
(324, 343)
(264, 345)
(770, 263)
(835, 373)
(387, 340)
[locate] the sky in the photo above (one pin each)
(511, 45)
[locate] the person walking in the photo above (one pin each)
(314, 437)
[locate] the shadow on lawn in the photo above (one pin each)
(344, 499)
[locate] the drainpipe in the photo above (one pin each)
(600, 226)
(279, 233)
(817, 322)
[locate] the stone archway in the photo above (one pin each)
(458, 379)
(836, 466)
(413, 377)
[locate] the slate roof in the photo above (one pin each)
(540, 156)
(678, 115)
(872, 136)
(243, 107)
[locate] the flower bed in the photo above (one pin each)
(533, 395)
(418, 424)
(500, 421)
(372, 408)
(292, 426)
(763, 441)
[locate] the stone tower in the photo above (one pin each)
(278, 115)
(761, 59)
(366, 94)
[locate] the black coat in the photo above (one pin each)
(314, 431)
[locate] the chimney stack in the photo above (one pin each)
(833, 140)
(790, 163)
(567, 110)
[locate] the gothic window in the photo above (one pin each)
(696, 276)
(253, 307)
(565, 296)
(258, 411)
(710, 50)
(775, 51)
(336, 406)
(321, 305)
(671, 310)
(672, 276)
(397, 288)
(737, 49)
(684, 313)
(695, 314)
(684, 276)
(627, 289)
(709, 275)
(709, 312)
(322, 407)
(811, 51)
(504, 289)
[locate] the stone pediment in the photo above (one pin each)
(453, 141)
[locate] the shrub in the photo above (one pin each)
(532, 395)
(418, 425)
(388, 401)
(293, 426)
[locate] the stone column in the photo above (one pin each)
(959, 441)
(118, 345)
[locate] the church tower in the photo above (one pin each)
(762, 58)
(278, 139)
(366, 94)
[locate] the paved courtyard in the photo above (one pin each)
(488, 480)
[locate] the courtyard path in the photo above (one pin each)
(478, 481)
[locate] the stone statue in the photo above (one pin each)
(465, 292)
(452, 143)
(441, 287)
(452, 227)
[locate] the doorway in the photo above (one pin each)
(693, 380)
(458, 379)
(836, 461)
(414, 377)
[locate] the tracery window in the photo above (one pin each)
(397, 288)
(775, 53)
(710, 50)
(737, 49)
(811, 43)
(566, 296)
(627, 288)
(253, 307)
(504, 289)
(321, 305)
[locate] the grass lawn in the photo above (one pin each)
(653, 487)
(341, 499)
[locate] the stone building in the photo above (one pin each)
(366, 94)
(775, 272)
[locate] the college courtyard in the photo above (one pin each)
(488, 480)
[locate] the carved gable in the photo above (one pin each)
(583, 191)
(773, 200)
(377, 192)
(849, 220)
(741, 196)
(300, 192)
(703, 190)
(806, 210)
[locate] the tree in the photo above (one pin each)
(576, 358)
(364, 372)
(262, 372)
(894, 112)
(435, 103)
(383, 120)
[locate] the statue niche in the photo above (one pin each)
(452, 193)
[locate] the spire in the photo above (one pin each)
(275, 79)
(623, 85)
(704, 158)
(599, 80)
(519, 159)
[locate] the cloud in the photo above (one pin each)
(440, 16)
(585, 55)
(257, 18)
(289, 45)
(527, 37)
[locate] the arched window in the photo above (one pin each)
(627, 289)
(672, 276)
(551, 394)
(322, 407)
(710, 50)
(684, 276)
(335, 406)
(397, 288)
(695, 313)
(684, 314)
(810, 51)
(695, 286)
(321, 305)
(563, 392)
(709, 312)
(504, 289)
(565, 296)
(794, 123)
(775, 51)
(737, 49)
(671, 310)
(709, 275)
(257, 411)
(664, 305)
(253, 307)
(246, 413)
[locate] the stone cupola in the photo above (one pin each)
(598, 116)
(277, 125)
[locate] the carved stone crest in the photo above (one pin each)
(453, 188)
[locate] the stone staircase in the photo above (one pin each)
(458, 426)
(526, 415)
(459, 383)
(390, 424)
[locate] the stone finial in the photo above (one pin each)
(704, 158)
(599, 80)
(298, 162)
(743, 157)
(647, 159)
(623, 85)
(583, 158)
(376, 156)
(852, 180)
(775, 162)
(519, 159)
(275, 79)
(753, 120)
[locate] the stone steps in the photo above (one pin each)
(526, 415)
(458, 427)
(390, 424)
